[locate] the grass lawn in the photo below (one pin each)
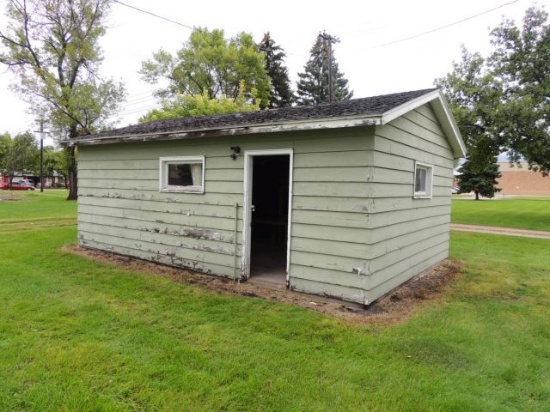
(521, 213)
(77, 335)
(30, 210)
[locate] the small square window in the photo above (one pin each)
(182, 174)
(423, 178)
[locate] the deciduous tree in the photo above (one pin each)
(186, 105)
(22, 157)
(53, 48)
(55, 163)
(521, 60)
(5, 147)
(504, 98)
(210, 62)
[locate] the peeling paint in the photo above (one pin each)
(361, 270)
(205, 234)
(205, 248)
(360, 296)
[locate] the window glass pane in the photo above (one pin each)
(421, 177)
(180, 175)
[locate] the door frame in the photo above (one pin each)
(247, 203)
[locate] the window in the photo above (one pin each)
(182, 174)
(423, 177)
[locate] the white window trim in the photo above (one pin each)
(163, 174)
(429, 181)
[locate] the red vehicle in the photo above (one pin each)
(17, 186)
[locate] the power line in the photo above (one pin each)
(443, 27)
(133, 102)
(153, 14)
(129, 111)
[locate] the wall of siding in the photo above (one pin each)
(356, 230)
(404, 236)
(122, 210)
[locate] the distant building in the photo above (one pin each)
(522, 181)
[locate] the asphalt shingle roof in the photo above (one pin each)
(376, 105)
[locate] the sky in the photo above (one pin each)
(382, 47)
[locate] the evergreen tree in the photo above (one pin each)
(480, 171)
(281, 92)
(314, 84)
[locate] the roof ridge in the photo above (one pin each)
(363, 106)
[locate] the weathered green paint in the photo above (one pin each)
(195, 209)
(162, 256)
(223, 236)
(356, 231)
(156, 196)
(366, 250)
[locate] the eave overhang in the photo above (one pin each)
(288, 126)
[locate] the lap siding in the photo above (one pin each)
(356, 229)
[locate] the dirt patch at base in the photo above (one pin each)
(9, 195)
(396, 307)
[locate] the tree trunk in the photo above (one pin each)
(72, 174)
(477, 195)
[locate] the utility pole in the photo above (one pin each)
(329, 41)
(42, 132)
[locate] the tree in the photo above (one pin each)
(55, 163)
(522, 59)
(209, 62)
(53, 48)
(504, 98)
(5, 148)
(281, 92)
(479, 172)
(474, 101)
(201, 105)
(314, 84)
(23, 156)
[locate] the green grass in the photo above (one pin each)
(29, 210)
(521, 213)
(77, 335)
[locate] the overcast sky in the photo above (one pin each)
(379, 50)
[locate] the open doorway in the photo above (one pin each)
(268, 199)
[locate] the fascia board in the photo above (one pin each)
(317, 124)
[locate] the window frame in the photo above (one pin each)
(425, 194)
(164, 162)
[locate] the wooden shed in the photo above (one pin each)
(347, 200)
